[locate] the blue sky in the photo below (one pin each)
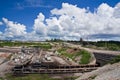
(26, 11)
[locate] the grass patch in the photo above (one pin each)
(93, 77)
(104, 45)
(85, 55)
(71, 78)
(37, 77)
(30, 77)
(115, 60)
(1, 78)
(45, 46)
(33, 44)
(63, 52)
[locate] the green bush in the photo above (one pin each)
(113, 47)
(115, 60)
(85, 55)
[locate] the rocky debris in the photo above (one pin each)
(4, 57)
(5, 68)
(110, 75)
(107, 72)
(59, 60)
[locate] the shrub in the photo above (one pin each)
(115, 60)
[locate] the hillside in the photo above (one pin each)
(107, 72)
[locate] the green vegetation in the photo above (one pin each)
(44, 46)
(1, 78)
(115, 60)
(107, 45)
(71, 78)
(84, 59)
(33, 44)
(35, 77)
(63, 52)
(30, 77)
(93, 77)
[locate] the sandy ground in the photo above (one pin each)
(4, 68)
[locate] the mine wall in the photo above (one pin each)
(102, 58)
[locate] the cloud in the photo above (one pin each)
(39, 26)
(13, 30)
(117, 11)
(105, 10)
(70, 23)
(1, 23)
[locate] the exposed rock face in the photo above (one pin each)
(110, 75)
(107, 72)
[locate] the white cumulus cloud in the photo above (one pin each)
(71, 23)
(39, 26)
(13, 29)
